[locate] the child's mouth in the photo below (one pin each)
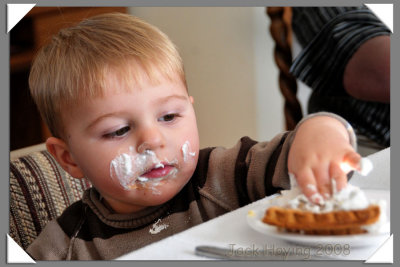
(158, 172)
(145, 169)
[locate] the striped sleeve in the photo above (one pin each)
(330, 36)
(246, 172)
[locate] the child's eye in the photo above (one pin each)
(118, 133)
(168, 117)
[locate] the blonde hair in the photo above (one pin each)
(71, 68)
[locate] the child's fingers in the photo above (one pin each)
(306, 181)
(323, 180)
(338, 177)
(351, 159)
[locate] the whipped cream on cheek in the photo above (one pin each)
(186, 151)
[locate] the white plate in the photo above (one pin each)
(360, 240)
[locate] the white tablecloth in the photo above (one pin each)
(232, 230)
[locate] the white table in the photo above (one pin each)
(232, 230)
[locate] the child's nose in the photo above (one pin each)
(150, 138)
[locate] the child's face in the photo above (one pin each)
(138, 148)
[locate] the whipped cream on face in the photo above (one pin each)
(127, 169)
(186, 151)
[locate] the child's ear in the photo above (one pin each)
(191, 99)
(60, 151)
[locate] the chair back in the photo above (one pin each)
(40, 190)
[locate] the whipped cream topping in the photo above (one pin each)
(349, 198)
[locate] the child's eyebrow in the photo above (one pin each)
(171, 97)
(108, 115)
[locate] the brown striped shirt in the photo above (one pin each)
(224, 180)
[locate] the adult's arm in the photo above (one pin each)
(367, 74)
(345, 51)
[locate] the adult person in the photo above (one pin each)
(345, 59)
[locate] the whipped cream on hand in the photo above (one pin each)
(365, 167)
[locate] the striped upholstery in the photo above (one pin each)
(39, 191)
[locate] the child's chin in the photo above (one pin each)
(162, 195)
(153, 195)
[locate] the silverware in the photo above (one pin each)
(259, 255)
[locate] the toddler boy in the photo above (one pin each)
(113, 92)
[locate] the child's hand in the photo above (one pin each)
(320, 146)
